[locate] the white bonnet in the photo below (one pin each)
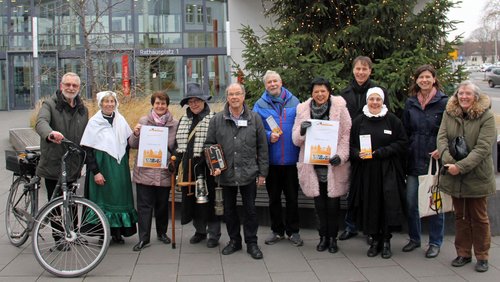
(103, 94)
(375, 90)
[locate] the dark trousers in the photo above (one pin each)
(327, 210)
(250, 223)
(152, 199)
(472, 227)
(283, 179)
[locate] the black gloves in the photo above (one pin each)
(303, 127)
(335, 160)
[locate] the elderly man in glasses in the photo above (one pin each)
(63, 115)
(243, 139)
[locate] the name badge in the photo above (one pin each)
(242, 123)
(388, 132)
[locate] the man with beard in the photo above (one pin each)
(355, 96)
(61, 116)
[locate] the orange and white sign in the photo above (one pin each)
(365, 145)
(321, 141)
(153, 147)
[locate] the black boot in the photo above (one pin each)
(374, 249)
(333, 248)
(323, 244)
(386, 249)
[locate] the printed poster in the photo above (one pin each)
(321, 141)
(153, 147)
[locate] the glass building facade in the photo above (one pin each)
(131, 46)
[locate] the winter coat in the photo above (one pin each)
(355, 96)
(338, 176)
(244, 147)
(421, 128)
(282, 152)
(476, 178)
(381, 177)
(57, 115)
(147, 175)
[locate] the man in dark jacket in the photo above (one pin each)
(355, 96)
(241, 135)
(61, 116)
(277, 108)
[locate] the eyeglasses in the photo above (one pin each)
(235, 94)
(74, 85)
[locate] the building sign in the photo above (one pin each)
(158, 52)
(147, 52)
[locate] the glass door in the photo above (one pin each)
(195, 71)
(20, 81)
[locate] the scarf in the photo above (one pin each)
(425, 100)
(101, 135)
(382, 113)
(278, 101)
(160, 120)
(320, 112)
(185, 128)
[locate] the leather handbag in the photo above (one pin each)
(458, 148)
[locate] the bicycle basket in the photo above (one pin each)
(21, 162)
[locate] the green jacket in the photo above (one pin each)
(476, 178)
(56, 114)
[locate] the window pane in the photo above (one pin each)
(121, 16)
(158, 15)
(20, 19)
(195, 40)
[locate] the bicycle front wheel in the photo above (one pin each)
(19, 210)
(83, 249)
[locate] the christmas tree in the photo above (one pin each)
(322, 37)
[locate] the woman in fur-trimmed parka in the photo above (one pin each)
(470, 180)
(325, 183)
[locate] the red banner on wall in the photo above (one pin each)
(125, 76)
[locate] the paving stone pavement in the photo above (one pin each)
(282, 261)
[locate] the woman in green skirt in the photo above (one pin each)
(109, 186)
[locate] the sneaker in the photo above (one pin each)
(274, 238)
(296, 240)
(481, 265)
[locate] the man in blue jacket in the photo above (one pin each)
(277, 107)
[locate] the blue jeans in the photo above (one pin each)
(436, 222)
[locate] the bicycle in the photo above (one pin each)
(22, 201)
(70, 234)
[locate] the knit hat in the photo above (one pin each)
(194, 90)
(375, 90)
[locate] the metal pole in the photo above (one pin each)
(36, 71)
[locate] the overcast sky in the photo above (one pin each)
(470, 12)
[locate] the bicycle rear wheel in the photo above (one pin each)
(19, 210)
(87, 245)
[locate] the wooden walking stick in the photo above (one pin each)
(172, 191)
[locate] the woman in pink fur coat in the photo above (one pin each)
(325, 183)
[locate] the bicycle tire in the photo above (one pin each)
(19, 203)
(82, 252)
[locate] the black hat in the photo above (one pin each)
(194, 90)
